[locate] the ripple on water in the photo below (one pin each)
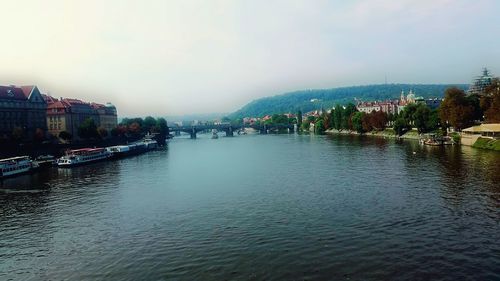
(261, 208)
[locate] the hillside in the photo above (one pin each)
(326, 98)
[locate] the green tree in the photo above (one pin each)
(299, 119)
(65, 136)
(421, 118)
(103, 133)
(357, 121)
(17, 134)
(338, 117)
(346, 115)
(88, 129)
(400, 126)
(148, 124)
(319, 126)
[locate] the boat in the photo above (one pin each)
(83, 156)
(135, 148)
(120, 151)
(214, 134)
(45, 161)
(16, 166)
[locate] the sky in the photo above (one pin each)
(168, 57)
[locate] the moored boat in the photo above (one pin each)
(45, 161)
(83, 156)
(16, 166)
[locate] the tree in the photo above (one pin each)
(134, 128)
(421, 118)
(162, 126)
(103, 133)
(346, 115)
(400, 126)
(148, 124)
(377, 120)
(490, 102)
(357, 121)
(88, 129)
(299, 119)
(326, 121)
(319, 126)
(456, 109)
(279, 119)
(338, 117)
(17, 134)
(65, 136)
(39, 135)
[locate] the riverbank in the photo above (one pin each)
(486, 143)
(387, 133)
(57, 149)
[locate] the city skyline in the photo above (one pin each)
(176, 58)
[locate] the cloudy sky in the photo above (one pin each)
(166, 57)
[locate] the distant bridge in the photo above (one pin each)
(229, 129)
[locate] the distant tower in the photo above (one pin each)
(402, 98)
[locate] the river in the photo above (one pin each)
(273, 207)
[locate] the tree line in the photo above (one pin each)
(457, 110)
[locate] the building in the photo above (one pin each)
(68, 115)
(108, 118)
(480, 83)
(22, 108)
(470, 135)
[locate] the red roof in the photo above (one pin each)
(27, 90)
(12, 93)
(97, 105)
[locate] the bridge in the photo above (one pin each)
(229, 129)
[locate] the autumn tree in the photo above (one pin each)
(490, 102)
(456, 110)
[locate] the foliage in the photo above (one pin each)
(400, 126)
(487, 143)
(65, 135)
(301, 100)
(103, 133)
(149, 124)
(17, 133)
(319, 126)
(299, 119)
(456, 109)
(357, 122)
(134, 128)
(88, 129)
(490, 102)
(39, 135)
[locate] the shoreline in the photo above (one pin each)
(387, 133)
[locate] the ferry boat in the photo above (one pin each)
(83, 156)
(15, 166)
(120, 151)
(45, 161)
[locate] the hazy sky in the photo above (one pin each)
(174, 57)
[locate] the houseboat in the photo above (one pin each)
(45, 161)
(83, 156)
(15, 166)
(120, 151)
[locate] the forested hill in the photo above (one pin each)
(326, 98)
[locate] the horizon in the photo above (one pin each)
(200, 58)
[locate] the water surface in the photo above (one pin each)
(275, 207)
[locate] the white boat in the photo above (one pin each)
(214, 134)
(15, 166)
(83, 156)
